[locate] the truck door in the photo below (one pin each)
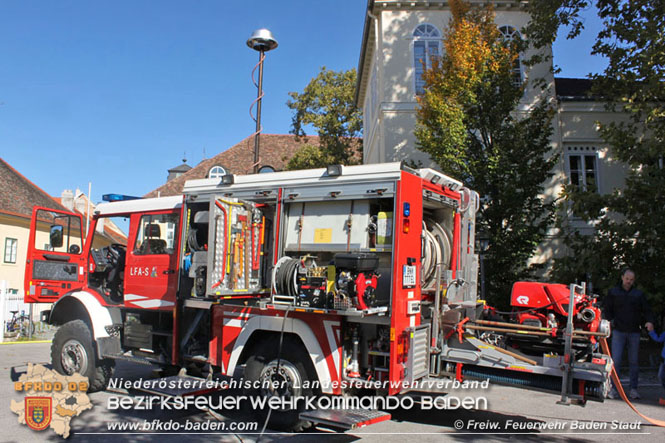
(151, 276)
(55, 263)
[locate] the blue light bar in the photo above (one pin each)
(118, 197)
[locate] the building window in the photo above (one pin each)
(216, 172)
(511, 34)
(582, 167)
(266, 168)
(426, 45)
(11, 245)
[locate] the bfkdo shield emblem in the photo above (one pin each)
(38, 412)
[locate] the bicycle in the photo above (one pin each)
(21, 325)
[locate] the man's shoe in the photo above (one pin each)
(634, 394)
(613, 394)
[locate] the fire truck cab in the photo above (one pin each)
(336, 275)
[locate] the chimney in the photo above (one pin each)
(67, 198)
(81, 202)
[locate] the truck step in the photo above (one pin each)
(134, 359)
(346, 419)
(182, 386)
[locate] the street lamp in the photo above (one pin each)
(262, 41)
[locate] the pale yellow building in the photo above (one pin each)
(18, 196)
(398, 36)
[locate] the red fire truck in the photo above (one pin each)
(344, 274)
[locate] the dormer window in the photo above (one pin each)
(216, 172)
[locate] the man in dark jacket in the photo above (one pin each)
(626, 307)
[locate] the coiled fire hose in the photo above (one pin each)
(437, 248)
(285, 276)
(617, 383)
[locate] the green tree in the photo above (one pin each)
(468, 123)
(629, 222)
(547, 17)
(327, 104)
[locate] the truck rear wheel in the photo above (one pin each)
(73, 352)
(292, 375)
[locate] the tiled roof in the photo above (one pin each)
(18, 195)
(238, 159)
(115, 235)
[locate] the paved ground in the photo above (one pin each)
(508, 408)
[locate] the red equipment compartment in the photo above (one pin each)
(528, 294)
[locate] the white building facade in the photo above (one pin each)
(399, 36)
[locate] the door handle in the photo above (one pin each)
(169, 271)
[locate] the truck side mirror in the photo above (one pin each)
(55, 236)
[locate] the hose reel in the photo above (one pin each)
(437, 248)
(285, 276)
(349, 283)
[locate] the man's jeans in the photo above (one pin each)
(619, 340)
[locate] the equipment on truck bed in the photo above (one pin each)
(340, 276)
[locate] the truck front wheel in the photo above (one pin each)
(73, 352)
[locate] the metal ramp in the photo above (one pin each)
(346, 419)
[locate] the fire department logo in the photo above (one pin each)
(38, 412)
(50, 400)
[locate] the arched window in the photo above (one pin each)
(511, 34)
(216, 172)
(426, 44)
(266, 168)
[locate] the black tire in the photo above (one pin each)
(72, 351)
(294, 359)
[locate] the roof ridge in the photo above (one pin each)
(238, 159)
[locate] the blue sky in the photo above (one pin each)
(116, 91)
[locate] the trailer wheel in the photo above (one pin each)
(73, 352)
(293, 374)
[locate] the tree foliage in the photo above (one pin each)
(469, 124)
(629, 222)
(327, 104)
(547, 17)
